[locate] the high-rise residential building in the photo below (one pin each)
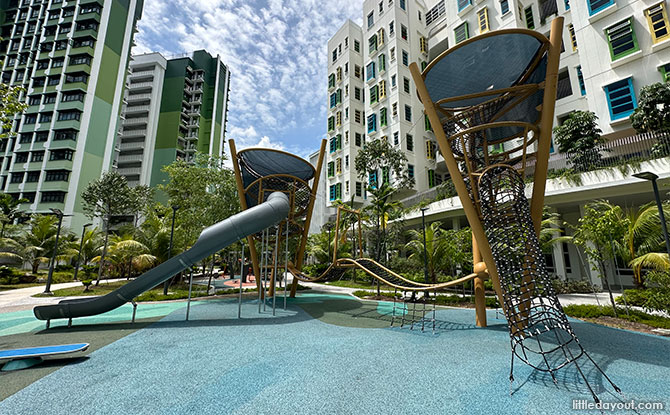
(371, 96)
(174, 107)
(72, 59)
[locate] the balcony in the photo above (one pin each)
(563, 88)
(133, 109)
(134, 133)
(132, 146)
(140, 85)
(142, 74)
(130, 171)
(138, 97)
(55, 186)
(135, 121)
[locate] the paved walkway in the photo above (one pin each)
(22, 298)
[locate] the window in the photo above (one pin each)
(80, 60)
(383, 118)
(382, 63)
(73, 96)
(370, 71)
(597, 5)
(621, 98)
(331, 80)
(331, 123)
(357, 71)
(339, 74)
(37, 82)
(53, 80)
(357, 117)
(46, 117)
(431, 178)
(622, 40)
(338, 165)
(53, 197)
(423, 45)
(57, 176)
(69, 115)
(405, 58)
(333, 100)
(331, 169)
(665, 72)
(573, 37)
(409, 140)
(374, 94)
(372, 123)
(372, 44)
(346, 162)
(21, 157)
(382, 89)
(49, 98)
(68, 12)
(371, 19)
(528, 13)
(392, 52)
(41, 136)
(89, 9)
(372, 179)
(37, 156)
(410, 171)
(435, 13)
(461, 32)
(430, 150)
(357, 93)
(402, 4)
(334, 55)
(391, 28)
(380, 37)
(30, 119)
(76, 77)
(61, 45)
(483, 19)
(564, 88)
(357, 46)
(657, 18)
(408, 113)
(426, 123)
(42, 64)
(567, 4)
(25, 138)
(35, 100)
(395, 138)
(386, 176)
(359, 189)
(358, 140)
(338, 118)
(61, 155)
(405, 84)
(17, 177)
(462, 4)
(403, 32)
(580, 79)
(33, 176)
(57, 63)
(394, 109)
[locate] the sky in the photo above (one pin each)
(276, 51)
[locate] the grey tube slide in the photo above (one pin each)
(210, 241)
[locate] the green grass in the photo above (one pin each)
(595, 311)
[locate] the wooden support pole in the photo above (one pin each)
(546, 123)
(243, 205)
(478, 281)
(308, 219)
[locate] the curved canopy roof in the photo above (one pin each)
(260, 162)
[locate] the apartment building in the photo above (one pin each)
(71, 57)
(174, 107)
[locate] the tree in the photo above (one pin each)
(105, 197)
(90, 248)
(600, 225)
(9, 210)
(580, 138)
(380, 155)
(381, 208)
(35, 245)
(436, 248)
(128, 254)
(10, 105)
(653, 115)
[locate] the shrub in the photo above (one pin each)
(572, 286)
(9, 275)
(62, 276)
(63, 268)
(315, 270)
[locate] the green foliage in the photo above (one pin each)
(379, 154)
(35, 245)
(314, 270)
(653, 109)
(572, 286)
(10, 105)
(9, 276)
(110, 195)
(656, 297)
(580, 138)
(594, 311)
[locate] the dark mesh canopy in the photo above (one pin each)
(258, 162)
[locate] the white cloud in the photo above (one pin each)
(276, 52)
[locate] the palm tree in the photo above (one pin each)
(91, 246)
(318, 247)
(127, 254)
(9, 210)
(435, 248)
(380, 208)
(33, 246)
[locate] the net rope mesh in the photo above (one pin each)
(490, 115)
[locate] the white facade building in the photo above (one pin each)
(139, 117)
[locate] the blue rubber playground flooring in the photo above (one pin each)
(333, 354)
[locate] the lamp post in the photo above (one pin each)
(59, 213)
(647, 175)
(174, 213)
(425, 252)
(81, 245)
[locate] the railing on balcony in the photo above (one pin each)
(547, 8)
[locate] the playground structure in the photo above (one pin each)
(490, 101)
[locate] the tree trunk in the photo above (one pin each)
(104, 253)
(607, 285)
(211, 273)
